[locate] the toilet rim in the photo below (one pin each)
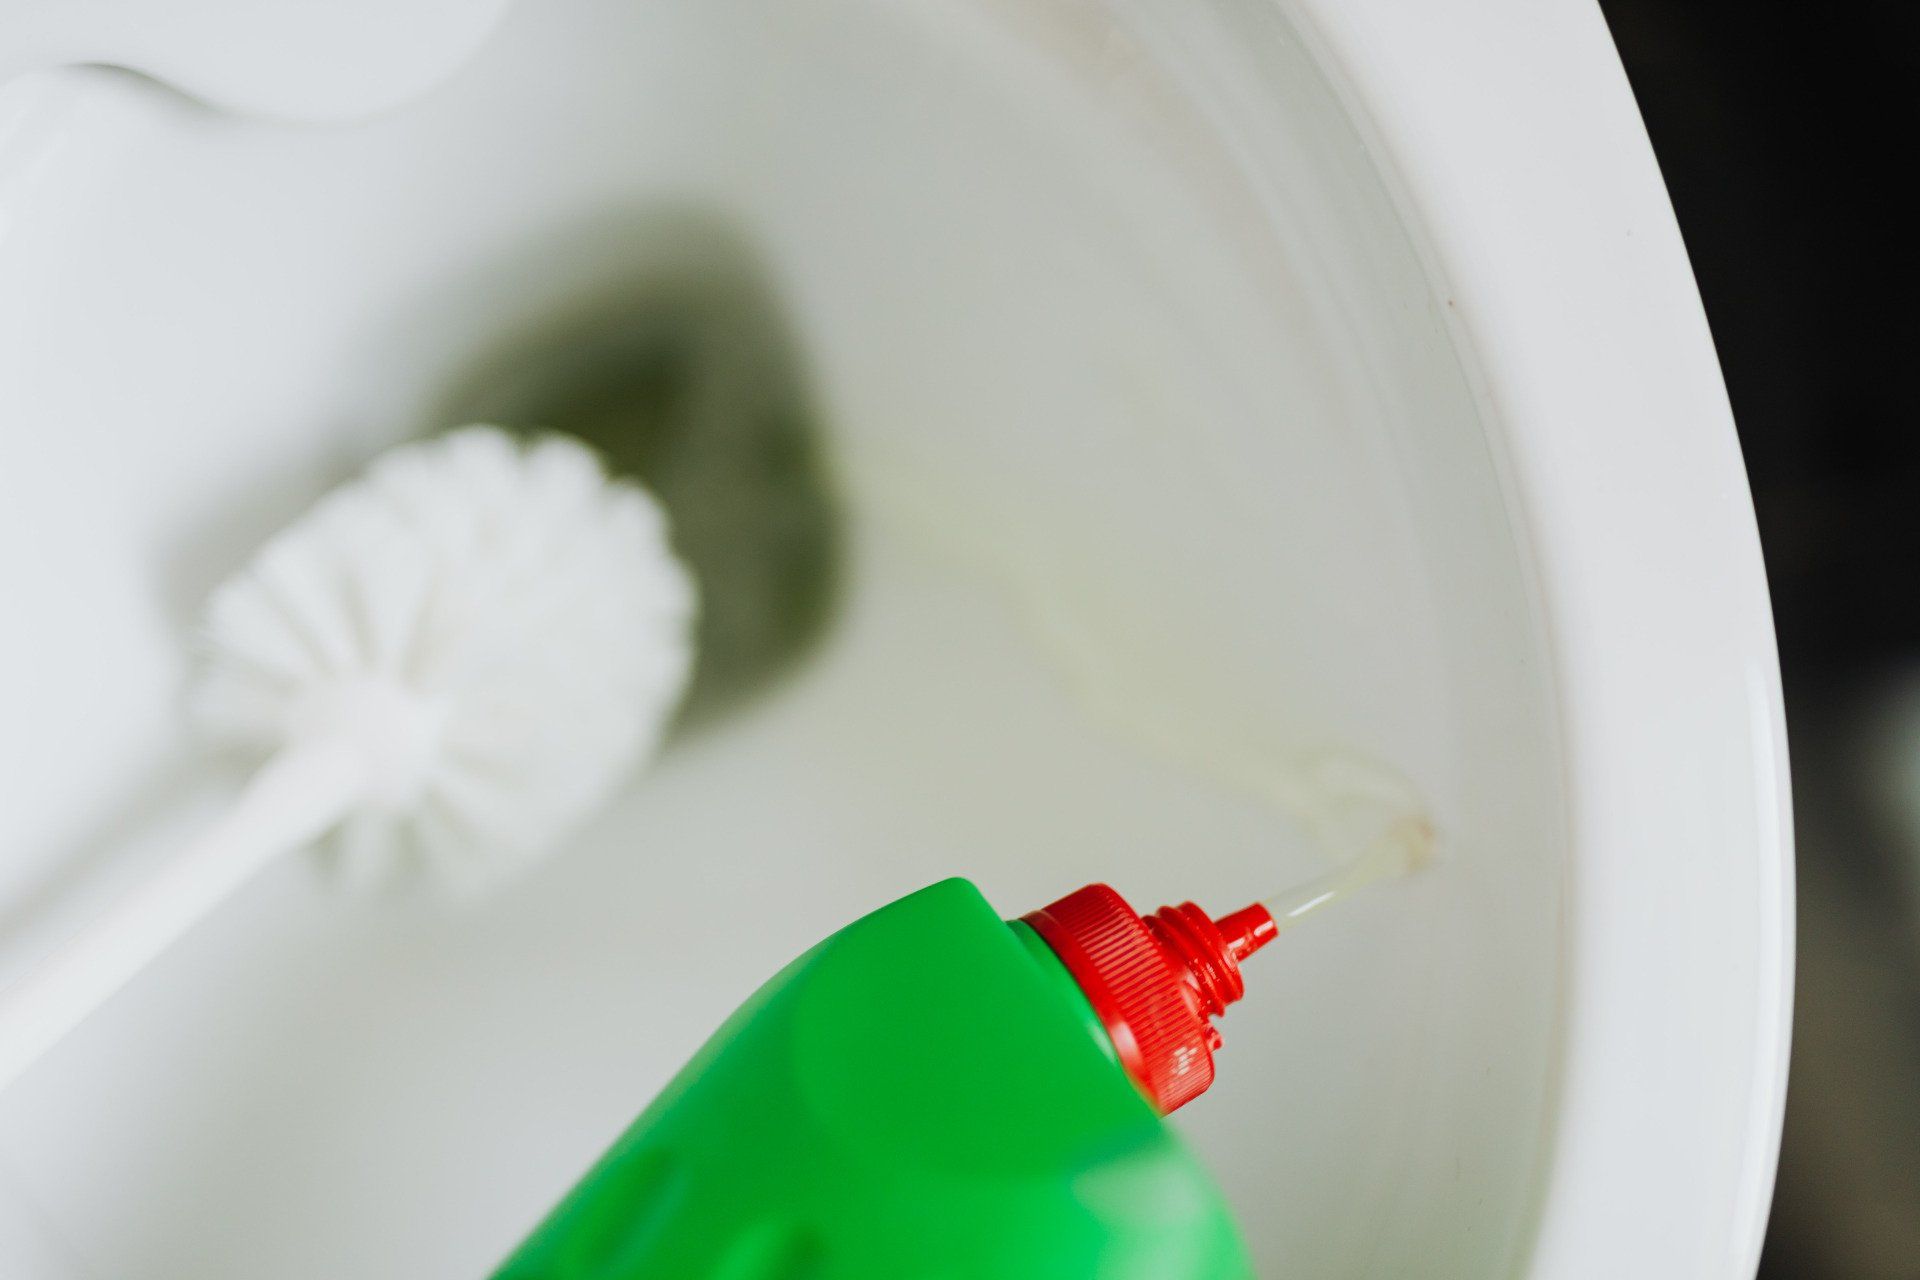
(1508, 135)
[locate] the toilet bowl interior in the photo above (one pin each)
(1138, 524)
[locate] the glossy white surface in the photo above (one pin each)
(288, 59)
(1209, 394)
(1550, 227)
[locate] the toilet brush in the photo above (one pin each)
(455, 658)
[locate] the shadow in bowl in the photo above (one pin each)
(679, 367)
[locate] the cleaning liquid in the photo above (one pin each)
(936, 1092)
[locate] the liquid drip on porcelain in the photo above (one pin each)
(1401, 850)
(1360, 815)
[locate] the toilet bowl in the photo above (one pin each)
(1205, 435)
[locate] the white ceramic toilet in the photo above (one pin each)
(1241, 421)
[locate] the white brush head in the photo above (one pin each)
(501, 631)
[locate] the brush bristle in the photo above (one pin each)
(504, 630)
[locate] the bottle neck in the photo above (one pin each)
(1154, 983)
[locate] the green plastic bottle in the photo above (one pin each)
(935, 1093)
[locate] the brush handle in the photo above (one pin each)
(290, 801)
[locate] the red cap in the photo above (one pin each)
(1155, 981)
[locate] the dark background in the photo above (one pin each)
(1790, 140)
